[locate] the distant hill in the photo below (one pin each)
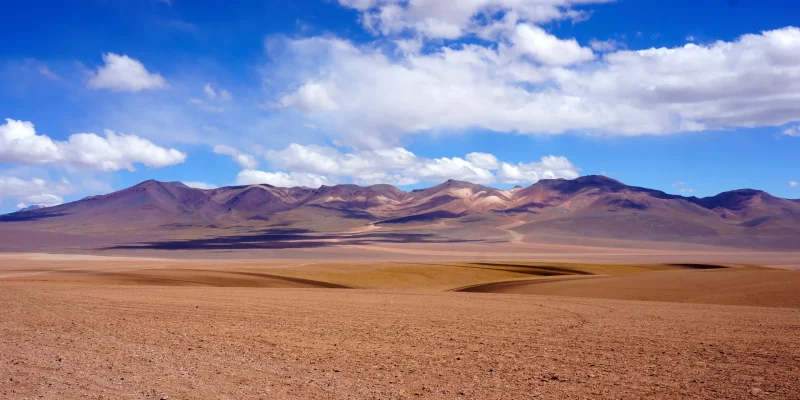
(31, 208)
(554, 210)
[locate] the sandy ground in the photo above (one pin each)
(144, 328)
(735, 287)
(231, 343)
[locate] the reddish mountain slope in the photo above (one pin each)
(588, 207)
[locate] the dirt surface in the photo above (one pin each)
(75, 327)
(736, 287)
(62, 341)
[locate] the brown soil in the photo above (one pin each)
(768, 288)
(74, 327)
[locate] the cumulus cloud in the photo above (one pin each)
(792, 183)
(35, 191)
(246, 161)
(483, 160)
(311, 97)
(399, 166)
(280, 179)
(549, 167)
(547, 49)
(199, 185)
(605, 46)
(793, 131)
(118, 151)
(371, 96)
(19, 143)
(125, 74)
(452, 20)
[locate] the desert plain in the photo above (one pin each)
(401, 322)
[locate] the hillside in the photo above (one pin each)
(550, 211)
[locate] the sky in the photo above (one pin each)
(692, 98)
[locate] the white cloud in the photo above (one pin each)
(311, 97)
(210, 92)
(399, 166)
(19, 143)
(371, 97)
(118, 151)
(549, 167)
(35, 191)
(246, 161)
(793, 131)
(454, 19)
(442, 169)
(687, 190)
(122, 73)
(21, 206)
(605, 46)
(678, 183)
(483, 160)
(214, 101)
(280, 179)
(213, 94)
(792, 183)
(200, 185)
(547, 49)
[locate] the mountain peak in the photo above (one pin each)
(596, 179)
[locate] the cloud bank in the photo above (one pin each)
(19, 143)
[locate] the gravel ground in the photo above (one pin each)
(60, 340)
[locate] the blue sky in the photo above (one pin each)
(688, 98)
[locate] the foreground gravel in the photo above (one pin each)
(68, 341)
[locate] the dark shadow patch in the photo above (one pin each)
(502, 287)
(542, 270)
(424, 217)
(698, 266)
(178, 225)
(758, 221)
(28, 216)
(516, 210)
(311, 282)
(349, 214)
(626, 204)
(286, 239)
(525, 208)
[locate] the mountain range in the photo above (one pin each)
(169, 215)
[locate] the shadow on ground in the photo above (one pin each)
(286, 239)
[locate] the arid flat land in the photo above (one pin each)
(77, 326)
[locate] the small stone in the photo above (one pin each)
(755, 391)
